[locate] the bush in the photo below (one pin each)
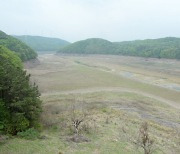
(29, 134)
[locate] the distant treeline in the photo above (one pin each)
(15, 45)
(156, 48)
(39, 43)
(168, 47)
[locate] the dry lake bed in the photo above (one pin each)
(118, 92)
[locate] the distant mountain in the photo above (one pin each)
(20, 48)
(40, 43)
(89, 46)
(168, 47)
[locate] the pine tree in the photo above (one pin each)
(20, 104)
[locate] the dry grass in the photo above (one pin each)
(115, 116)
(57, 74)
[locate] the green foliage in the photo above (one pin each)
(1, 126)
(4, 114)
(10, 56)
(3, 35)
(20, 48)
(15, 123)
(158, 48)
(29, 134)
(40, 43)
(20, 105)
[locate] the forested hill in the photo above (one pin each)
(10, 56)
(20, 48)
(156, 48)
(89, 46)
(40, 43)
(168, 47)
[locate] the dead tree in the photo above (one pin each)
(76, 124)
(144, 141)
(77, 118)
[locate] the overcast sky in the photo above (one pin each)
(72, 20)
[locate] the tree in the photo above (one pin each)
(19, 100)
(144, 141)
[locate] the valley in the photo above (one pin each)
(118, 92)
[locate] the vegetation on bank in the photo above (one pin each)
(39, 43)
(15, 45)
(156, 48)
(20, 106)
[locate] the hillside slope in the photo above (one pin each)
(168, 47)
(20, 48)
(10, 56)
(40, 43)
(89, 46)
(156, 48)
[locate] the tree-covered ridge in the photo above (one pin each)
(39, 43)
(168, 47)
(10, 56)
(89, 46)
(156, 48)
(20, 106)
(21, 49)
(3, 35)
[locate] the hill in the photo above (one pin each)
(89, 46)
(168, 47)
(39, 43)
(20, 48)
(10, 56)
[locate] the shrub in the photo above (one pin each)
(29, 134)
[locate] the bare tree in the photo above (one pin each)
(77, 118)
(144, 141)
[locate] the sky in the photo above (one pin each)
(73, 20)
